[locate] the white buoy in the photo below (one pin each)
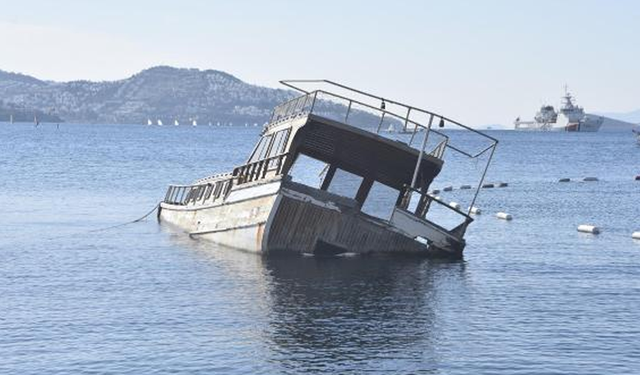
(475, 211)
(635, 235)
(587, 179)
(588, 229)
(447, 188)
(504, 216)
(454, 205)
(465, 187)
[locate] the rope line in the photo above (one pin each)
(109, 227)
(127, 223)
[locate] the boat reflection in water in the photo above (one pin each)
(341, 313)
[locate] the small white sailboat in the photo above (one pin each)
(176, 123)
(159, 122)
(11, 119)
(391, 129)
(149, 122)
(218, 123)
(194, 123)
(35, 120)
(210, 123)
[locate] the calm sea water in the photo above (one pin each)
(532, 296)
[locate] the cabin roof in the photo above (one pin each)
(364, 153)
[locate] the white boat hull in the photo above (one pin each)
(268, 218)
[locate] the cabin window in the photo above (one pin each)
(209, 191)
(218, 190)
(261, 149)
(278, 146)
(308, 171)
(279, 143)
(381, 201)
(345, 184)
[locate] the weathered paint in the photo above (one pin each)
(237, 224)
(299, 219)
(299, 225)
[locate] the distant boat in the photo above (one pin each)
(194, 123)
(176, 123)
(218, 123)
(255, 124)
(569, 117)
(210, 123)
(159, 122)
(35, 120)
(149, 122)
(391, 129)
(11, 119)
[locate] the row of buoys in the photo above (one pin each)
(592, 229)
(492, 185)
(473, 210)
(488, 185)
(586, 179)
(590, 179)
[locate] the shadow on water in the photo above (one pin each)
(346, 313)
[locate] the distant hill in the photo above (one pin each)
(7, 111)
(633, 116)
(162, 92)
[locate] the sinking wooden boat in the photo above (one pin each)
(309, 183)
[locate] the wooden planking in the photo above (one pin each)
(297, 226)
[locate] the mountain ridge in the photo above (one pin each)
(158, 93)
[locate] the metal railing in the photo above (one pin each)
(212, 178)
(424, 204)
(183, 195)
(294, 107)
(258, 170)
(438, 151)
(210, 191)
(313, 100)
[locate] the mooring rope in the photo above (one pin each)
(109, 227)
(128, 222)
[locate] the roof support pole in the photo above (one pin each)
(380, 124)
(346, 117)
(424, 144)
(484, 174)
(406, 120)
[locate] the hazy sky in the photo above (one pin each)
(480, 62)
